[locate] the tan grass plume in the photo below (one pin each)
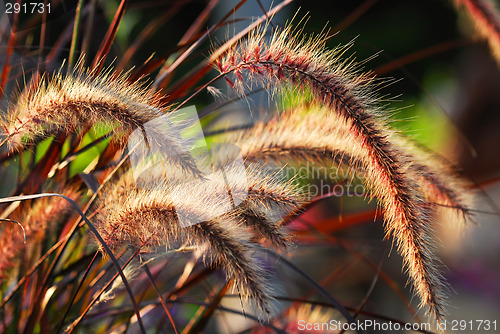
(285, 59)
(319, 136)
(66, 103)
(134, 217)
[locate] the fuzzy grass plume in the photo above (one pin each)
(68, 103)
(285, 59)
(320, 136)
(141, 218)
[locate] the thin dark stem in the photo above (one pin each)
(319, 288)
(96, 298)
(87, 270)
(160, 297)
(97, 235)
